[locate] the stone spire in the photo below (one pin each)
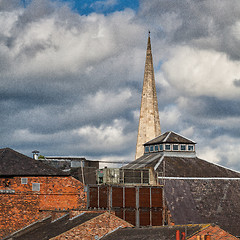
(149, 123)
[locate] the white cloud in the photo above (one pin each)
(202, 73)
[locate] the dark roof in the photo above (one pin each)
(153, 233)
(16, 164)
(194, 167)
(205, 200)
(48, 229)
(177, 166)
(170, 137)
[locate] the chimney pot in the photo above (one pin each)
(177, 235)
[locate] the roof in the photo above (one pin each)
(47, 229)
(153, 233)
(181, 166)
(170, 137)
(16, 164)
(205, 200)
(215, 232)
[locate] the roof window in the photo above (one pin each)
(147, 149)
(190, 147)
(175, 147)
(168, 147)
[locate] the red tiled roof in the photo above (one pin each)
(215, 232)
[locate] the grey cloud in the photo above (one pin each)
(204, 24)
(236, 82)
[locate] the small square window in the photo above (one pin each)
(160, 147)
(167, 147)
(156, 148)
(36, 187)
(183, 147)
(146, 149)
(24, 180)
(175, 147)
(151, 148)
(190, 147)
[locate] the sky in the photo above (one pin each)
(71, 75)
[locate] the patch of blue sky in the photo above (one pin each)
(86, 7)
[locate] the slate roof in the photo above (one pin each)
(205, 200)
(48, 229)
(170, 137)
(153, 233)
(16, 164)
(181, 166)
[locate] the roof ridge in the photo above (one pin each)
(219, 165)
(205, 226)
(165, 139)
(183, 136)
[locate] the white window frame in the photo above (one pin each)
(167, 149)
(36, 187)
(190, 145)
(24, 180)
(184, 146)
(150, 148)
(177, 147)
(145, 149)
(155, 148)
(160, 147)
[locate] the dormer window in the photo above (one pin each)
(160, 147)
(151, 148)
(156, 148)
(168, 147)
(190, 147)
(147, 149)
(183, 147)
(175, 147)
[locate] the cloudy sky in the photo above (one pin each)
(71, 75)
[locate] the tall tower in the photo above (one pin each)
(149, 123)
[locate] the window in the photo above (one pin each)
(183, 147)
(151, 148)
(190, 147)
(175, 147)
(156, 148)
(168, 147)
(160, 147)
(24, 180)
(146, 149)
(36, 187)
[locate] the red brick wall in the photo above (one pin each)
(100, 226)
(23, 207)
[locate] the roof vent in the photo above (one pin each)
(35, 154)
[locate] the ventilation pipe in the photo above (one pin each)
(35, 154)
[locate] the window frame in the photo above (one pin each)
(36, 187)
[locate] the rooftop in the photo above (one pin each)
(170, 137)
(16, 164)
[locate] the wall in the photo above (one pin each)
(23, 206)
(98, 226)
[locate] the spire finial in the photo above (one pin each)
(149, 33)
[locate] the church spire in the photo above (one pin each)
(149, 123)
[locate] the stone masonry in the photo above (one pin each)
(149, 122)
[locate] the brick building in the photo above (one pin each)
(71, 225)
(30, 189)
